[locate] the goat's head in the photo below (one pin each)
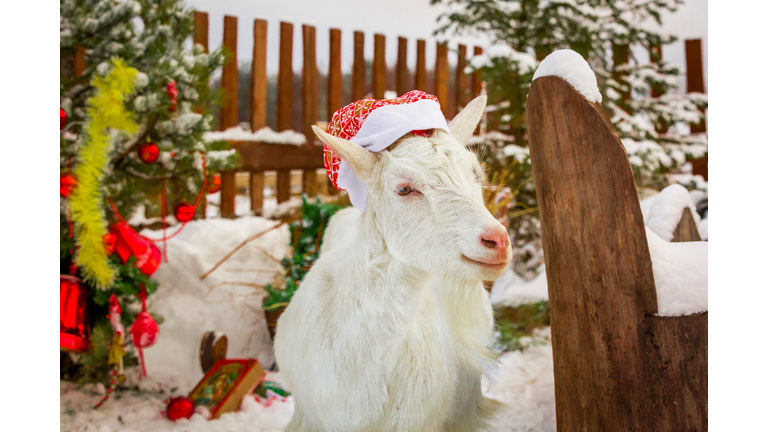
(426, 196)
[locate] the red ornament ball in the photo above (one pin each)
(148, 152)
(184, 212)
(62, 118)
(110, 241)
(67, 184)
(215, 184)
(144, 330)
(180, 407)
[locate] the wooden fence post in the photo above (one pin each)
(258, 105)
(379, 75)
(421, 65)
(461, 80)
(477, 76)
(694, 72)
(441, 77)
(617, 365)
(309, 102)
(402, 66)
(228, 116)
(285, 102)
(621, 57)
(686, 230)
(334, 90)
(358, 67)
(201, 29)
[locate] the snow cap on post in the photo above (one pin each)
(571, 66)
(375, 125)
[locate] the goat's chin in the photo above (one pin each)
(483, 270)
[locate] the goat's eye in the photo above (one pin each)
(404, 190)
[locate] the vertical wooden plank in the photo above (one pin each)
(402, 66)
(694, 71)
(358, 67)
(228, 115)
(686, 230)
(309, 182)
(229, 81)
(283, 185)
(309, 82)
(461, 80)
(227, 203)
(334, 74)
(656, 57)
(201, 29)
(621, 57)
(421, 65)
(379, 75)
(79, 66)
(285, 78)
(477, 76)
(257, 192)
(441, 77)
(259, 76)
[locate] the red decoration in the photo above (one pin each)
(215, 184)
(75, 331)
(184, 212)
(144, 330)
(173, 92)
(129, 244)
(67, 183)
(148, 152)
(110, 241)
(62, 118)
(180, 407)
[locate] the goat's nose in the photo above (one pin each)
(495, 238)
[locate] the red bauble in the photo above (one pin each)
(62, 119)
(148, 256)
(74, 331)
(144, 330)
(67, 184)
(180, 407)
(184, 212)
(148, 152)
(110, 241)
(215, 184)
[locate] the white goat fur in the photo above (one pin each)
(390, 329)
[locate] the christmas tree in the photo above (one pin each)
(137, 102)
(641, 97)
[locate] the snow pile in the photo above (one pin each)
(680, 272)
(571, 66)
(666, 209)
(265, 135)
(225, 301)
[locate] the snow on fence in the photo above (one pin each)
(618, 364)
(260, 156)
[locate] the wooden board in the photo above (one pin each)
(358, 67)
(334, 73)
(441, 77)
(259, 76)
(257, 156)
(309, 182)
(285, 78)
(686, 230)
(461, 81)
(616, 367)
(695, 83)
(620, 58)
(309, 82)
(201, 29)
(228, 190)
(379, 73)
(402, 77)
(477, 76)
(257, 192)
(229, 81)
(421, 65)
(283, 185)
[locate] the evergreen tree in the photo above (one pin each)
(153, 37)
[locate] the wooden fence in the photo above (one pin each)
(258, 157)
(617, 365)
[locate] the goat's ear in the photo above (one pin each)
(361, 160)
(463, 125)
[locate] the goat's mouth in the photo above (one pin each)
(501, 265)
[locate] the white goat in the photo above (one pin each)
(391, 328)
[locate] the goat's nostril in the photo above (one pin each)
(490, 244)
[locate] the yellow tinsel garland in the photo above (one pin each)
(106, 112)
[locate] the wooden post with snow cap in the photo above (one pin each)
(228, 115)
(618, 366)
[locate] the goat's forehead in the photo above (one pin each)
(434, 154)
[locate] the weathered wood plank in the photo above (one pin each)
(283, 185)
(259, 76)
(358, 67)
(601, 289)
(79, 63)
(402, 77)
(334, 73)
(694, 72)
(379, 73)
(477, 76)
(441, 77)
(620, 58)
(257, 156)
(686, 230)
(228, 191)
(461, 81)
(229, 81)
(309, 82)
(309, 182)
(201, 29)
(285, 78)
(421, 65)
(257, 192)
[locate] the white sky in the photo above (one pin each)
(413, 19)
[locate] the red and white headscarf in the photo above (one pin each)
(375, 125)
